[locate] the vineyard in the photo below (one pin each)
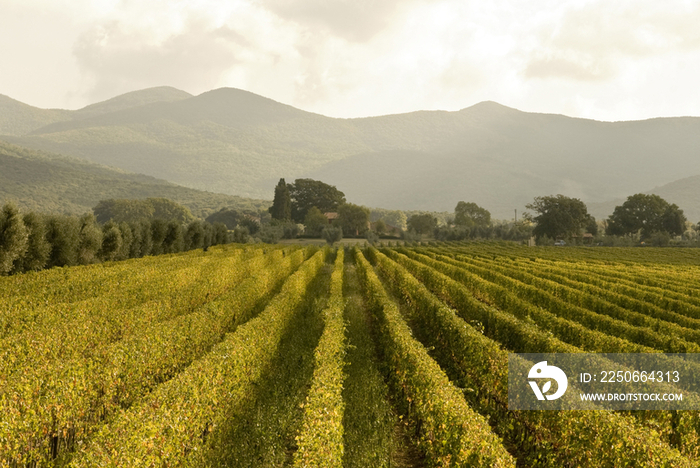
(395, 356)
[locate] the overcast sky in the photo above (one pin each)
(601, 59)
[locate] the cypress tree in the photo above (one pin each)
(282, 204)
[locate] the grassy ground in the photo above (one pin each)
(374, 434)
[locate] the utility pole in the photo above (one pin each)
(516, 215)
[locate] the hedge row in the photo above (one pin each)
(450, 433)
(172, 425)
(320, 440)
(544, 438)
(80, 393)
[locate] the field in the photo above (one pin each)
(291, 355)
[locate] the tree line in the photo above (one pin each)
(34, 241)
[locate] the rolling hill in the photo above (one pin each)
(53, 184)
(232, 141)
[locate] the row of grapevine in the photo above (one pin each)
(654, 257)
(449, 432)
(174, 424)
(597, 296)
(621, 284)
(81, 392)
(320, 441)
(615, 326)
(477, 291)
(129, 284)
(545, 437)
(601, 301)
(81, 331)
(616, 263)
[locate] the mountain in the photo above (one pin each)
(684, 192)
(232, 141)
(53, 184)
(131, 100)
(17, 118)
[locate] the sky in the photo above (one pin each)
(600, 59)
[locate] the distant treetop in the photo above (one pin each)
(129, 210)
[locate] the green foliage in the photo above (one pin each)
(394, 218)
(380, 227)
(519, 231)
(63, 234)
(281, 204)
(544, 438)
(372, 237)
(13, 237)
(129, 210)
(194, 235)
(220, 234)
(111, 241)
(228, 216)
(159, 229)
(166, 361)
(290, 230)
(646, 214)
(353, 219)
(422, 223)
(240, 235)
(448, 431)
(38, 249)
(90, 240)
(127, 234)
(314, 222)
(307, 193)
(175, 240)
(253, 225)
(192, 408)
(332, 234)
(142, 242)
(471, 214)
(270, 233)
(559, 216)
(320, 440)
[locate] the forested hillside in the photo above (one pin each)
(52, 184)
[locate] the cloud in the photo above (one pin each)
(574, 68)
(353, 20)
(592, 41)
(118, 60)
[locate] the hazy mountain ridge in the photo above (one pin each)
(17, 118)
(55, 184)
(233, 141)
